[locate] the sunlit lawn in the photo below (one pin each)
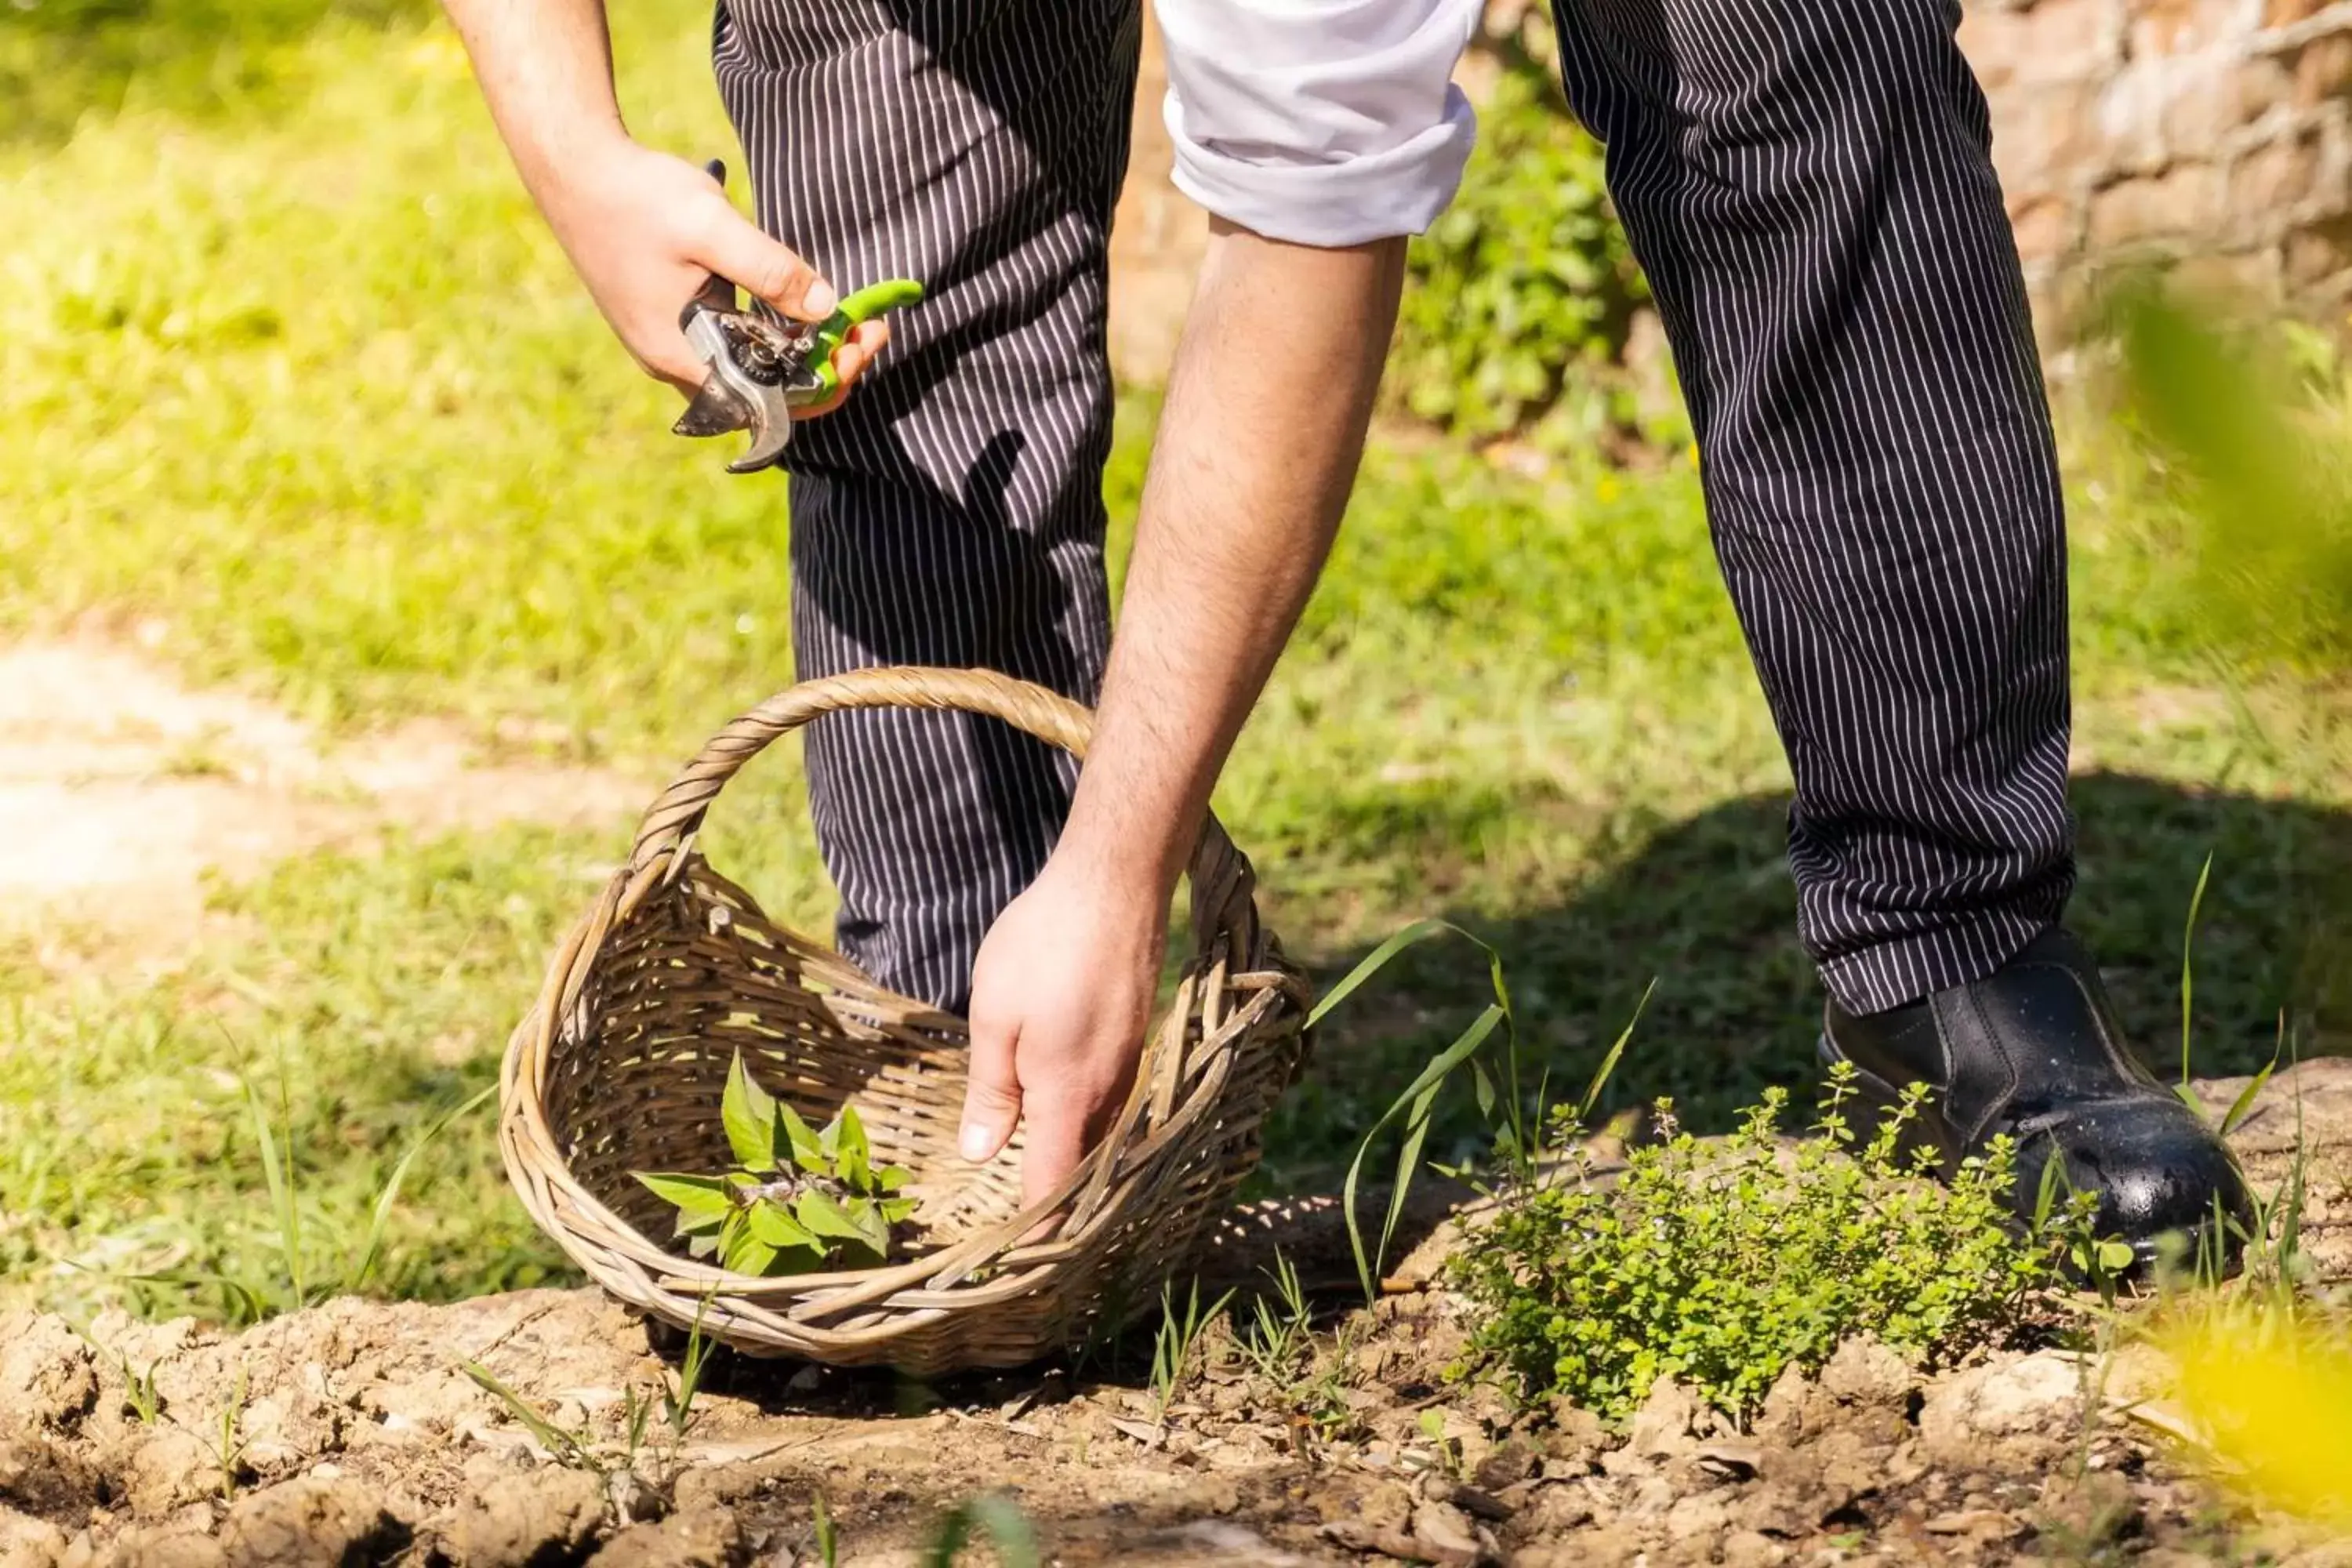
(286, 363)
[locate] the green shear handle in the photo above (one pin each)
(830, 333)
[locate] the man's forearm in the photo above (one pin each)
(1245, 491)
(546, 70)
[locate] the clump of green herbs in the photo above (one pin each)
(798, 1200)
(1521, 298)
(1722, 1264)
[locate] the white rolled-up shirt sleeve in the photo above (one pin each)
(1325, 122)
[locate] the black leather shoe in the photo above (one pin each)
(2033, 1051)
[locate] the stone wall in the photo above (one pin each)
(2215, 133)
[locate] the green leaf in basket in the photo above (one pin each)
(890, 1178)
(749, 1112)
(694, 1197)
(824, 1216)
(896, 1209)
(744, 1253)
(771, 1224)
(853, 1159)
(800, 1140)
(876, 1225)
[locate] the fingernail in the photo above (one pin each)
(975, 1142)
(819, 300)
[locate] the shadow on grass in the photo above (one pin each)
(60, 59)
(1706, 906)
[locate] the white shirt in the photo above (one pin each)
(1321, 121)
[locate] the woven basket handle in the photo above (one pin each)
(1220, 881)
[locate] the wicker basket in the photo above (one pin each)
(620, 1062)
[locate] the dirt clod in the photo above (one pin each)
(1667, 1424)
(29, 1542)
(169, 1549)
(46, 1369)
(41, 1476)
(311, 1520)
(698, 1538)
(2018, 1414)
(536, 1519)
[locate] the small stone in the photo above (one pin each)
(1557, 1510)
(1447, 1530)
(1746, 1549)
(1865, 1373)
(1512, 1462)
(1699, 1517)
(1664, 1426)
(2012, 1415)
(1576, 1436)
(1786, 1405)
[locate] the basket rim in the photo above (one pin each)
(1235, 981)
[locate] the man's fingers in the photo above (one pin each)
(738, 251)
(991, 1098)
(1058, 1139)
(850, 361)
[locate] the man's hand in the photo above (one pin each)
(1061, 995)
(644, 229)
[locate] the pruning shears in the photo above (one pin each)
(762, 369)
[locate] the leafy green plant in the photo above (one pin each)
(828, 1539)
(1722, 1265)
(1519, 299)
(1171, 1352)
(140, 1395)
(1281, 1325)
(228, 1448)
(797, 1201)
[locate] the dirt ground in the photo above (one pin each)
(123, 790)
(352, 1434)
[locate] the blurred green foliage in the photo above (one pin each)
(1520, 298)
(2254, 431)
(61, 60)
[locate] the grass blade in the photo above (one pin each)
(1421, 931)
(385, 1200)
(1440, 1067)
(1608, 1067)
(2188, 941)
(281, 1193)
(567, 1448)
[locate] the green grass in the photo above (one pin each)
(289, 369)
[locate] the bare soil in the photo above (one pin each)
(122, 791)
(352, 1434)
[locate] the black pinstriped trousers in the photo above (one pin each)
(1808, 183)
